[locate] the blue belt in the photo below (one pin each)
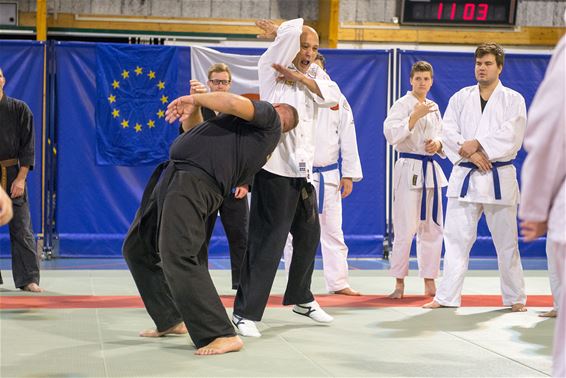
(327, 168)
(473, 167)
(425, 160)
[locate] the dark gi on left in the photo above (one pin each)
(16, 150)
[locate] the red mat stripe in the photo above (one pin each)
(366, 301)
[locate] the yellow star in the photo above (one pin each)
(125, 123)
(137, 127)
(115, 113)
(151, 74)
(112, 98)
(125, 74)
(115, 84)
(161, 85)
(151, 123)
(164, 99)
(138, 70)
(160, 113)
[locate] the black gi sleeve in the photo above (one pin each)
(26, 149)
(265, 116)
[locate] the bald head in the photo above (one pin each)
(309, 49)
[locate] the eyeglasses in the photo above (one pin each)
(218, 82)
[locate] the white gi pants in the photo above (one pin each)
(559, 359)
(406, 223)
(460, 234)
(334, 249)
(555, 267)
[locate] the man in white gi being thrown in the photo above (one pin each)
(483, 130)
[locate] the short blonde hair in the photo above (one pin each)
(220, 67)
(422, 66)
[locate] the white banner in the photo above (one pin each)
(243, 68)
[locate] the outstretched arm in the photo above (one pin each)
(222, 102)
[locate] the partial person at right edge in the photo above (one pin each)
(17, 155)
(543, 198)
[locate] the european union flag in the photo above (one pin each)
(134, 85)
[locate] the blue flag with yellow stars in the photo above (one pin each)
(134, 85)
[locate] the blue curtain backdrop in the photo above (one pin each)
(453, 71)
(22, 63)
(95, 204)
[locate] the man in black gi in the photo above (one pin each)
(166, 245)
(234, 211)
(16, 159)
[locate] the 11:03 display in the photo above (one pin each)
(459, 12)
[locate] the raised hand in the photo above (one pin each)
(287, 74)
(421, 109)
(197, 87)
(180, 109)
(268, 28)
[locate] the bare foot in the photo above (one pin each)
(221, 345)
(32, 287)
(397, 294)
(348, 291)
(179, 329)
(433, 305)
(549, 314)
(399, 289)
(518, 307)
(430, 287)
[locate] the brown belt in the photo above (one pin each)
(5, 164)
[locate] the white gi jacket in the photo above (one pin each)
(499, 130)
(397, 133)
(544, 171)
(297, 145)
(336, 135)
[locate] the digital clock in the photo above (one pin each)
(459, 12)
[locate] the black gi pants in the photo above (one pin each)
(235, 215)
(25, 259)
(279, 205)
(175, 283)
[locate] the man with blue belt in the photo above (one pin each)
(413, 126)
(335, 136)
(483, 130)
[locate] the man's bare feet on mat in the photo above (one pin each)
(179, 329)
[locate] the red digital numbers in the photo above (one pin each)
(471, 11)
